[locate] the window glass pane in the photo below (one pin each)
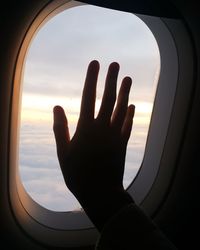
(54, 74)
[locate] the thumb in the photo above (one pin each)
(61, 132)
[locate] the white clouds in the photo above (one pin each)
(48, 189)
(41, 174)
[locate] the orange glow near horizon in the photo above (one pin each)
(38, 108)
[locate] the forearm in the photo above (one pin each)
(130, 228)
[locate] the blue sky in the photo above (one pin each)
(54, 74)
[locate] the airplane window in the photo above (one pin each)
(54, 73)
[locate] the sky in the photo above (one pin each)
(54, 73)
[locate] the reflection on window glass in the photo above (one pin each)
(54, 74)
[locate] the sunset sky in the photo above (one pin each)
(54, 74)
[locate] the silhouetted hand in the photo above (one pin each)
(92, 162)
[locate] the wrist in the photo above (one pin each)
(103, 205)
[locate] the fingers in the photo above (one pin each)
(61, 131)
(89, 93)
(109, 95)
(127, 125)
(122, 104)
(122, 116)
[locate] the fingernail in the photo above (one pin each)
(127, 83)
